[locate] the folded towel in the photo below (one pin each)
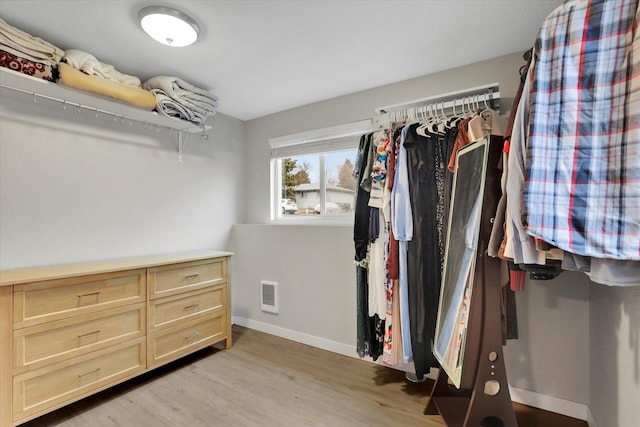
(170, 108)
(139, 97)
(19, 54)
(174, 84)
(35, 47)
(89, 64)
(184, 92)
(202, 101)
(177, 98)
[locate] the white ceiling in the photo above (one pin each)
(262, 57)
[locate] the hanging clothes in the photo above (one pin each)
(583, 155)
(361, 239)
(371, 236)
(425, 163)
(361, 219)
(402, 226)
(400, 232)
(574, 153)
(393, 353)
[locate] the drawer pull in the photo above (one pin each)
(89, 294)
(89, 373)
(89, 333)
(192, 276)
(189, 307)
(193, 335)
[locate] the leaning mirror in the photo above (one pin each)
(459, 262)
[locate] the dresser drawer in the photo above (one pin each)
(180, 307)
(46, 387)
(168, 344)
(52, 342)
(175, 278)
(47, 301)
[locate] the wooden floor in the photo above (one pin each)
(267, 381)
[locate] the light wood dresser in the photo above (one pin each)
(69, 331)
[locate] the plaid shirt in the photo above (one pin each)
(582, 190)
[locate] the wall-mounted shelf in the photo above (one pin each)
(70, 98)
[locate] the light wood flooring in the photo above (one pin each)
(267, 381)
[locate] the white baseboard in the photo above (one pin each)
(590, 419)
(526, 397)
(550, 403)
(301, 337)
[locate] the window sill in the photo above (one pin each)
(338, 220)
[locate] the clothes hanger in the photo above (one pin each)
(466, 109)
(421, 130)
(477, 126)
(497, 122)
(412, 115)
(458, 116)
(435, 118)
(472, 105)
(431, 126)
(454, 117)
(442, 124)
(488, 122)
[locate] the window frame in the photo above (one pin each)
(315, 142)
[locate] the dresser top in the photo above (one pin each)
(60, 271)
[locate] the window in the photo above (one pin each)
(312, 172)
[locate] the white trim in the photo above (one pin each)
(590, 419)
(301, 337)
(316, 142)
(338, 131)
(276, 188)
(549, 403)
(345, 220)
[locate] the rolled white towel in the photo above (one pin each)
(90, 65)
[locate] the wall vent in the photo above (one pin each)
(269, 296)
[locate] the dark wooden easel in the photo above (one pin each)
(483, 399)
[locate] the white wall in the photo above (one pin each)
(76, 187)
(615, 355)
(314, 270)
(549, 364)
(551, 356)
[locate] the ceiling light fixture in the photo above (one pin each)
(169, 26)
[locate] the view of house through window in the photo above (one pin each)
(318, 184)
(312, 172)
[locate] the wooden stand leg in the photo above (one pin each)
(487, 403)
(441, 389)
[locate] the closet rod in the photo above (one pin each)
(123, 117)
(488, 92)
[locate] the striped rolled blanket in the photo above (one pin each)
(177, 98)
